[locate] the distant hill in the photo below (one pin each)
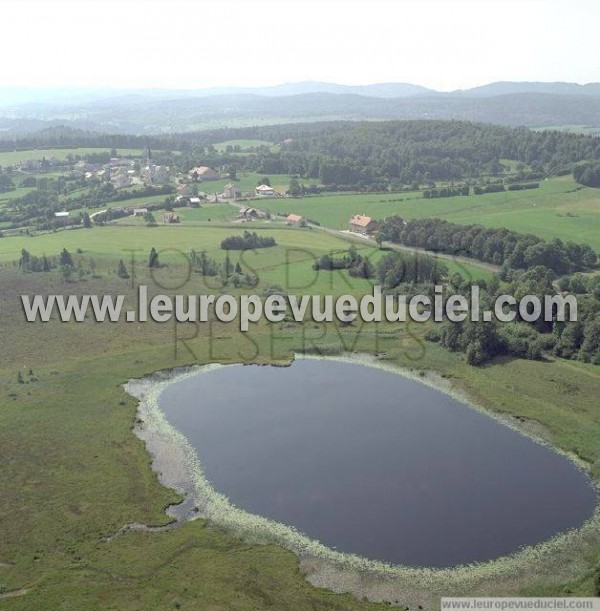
(508, 87)
(379, 90)
(155, 111)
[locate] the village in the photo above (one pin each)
(200, 186)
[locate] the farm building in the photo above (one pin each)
(61, 214)
(170, 217)
(249, 213)
(265, 190)
(295, 220)
(203, 172)
(140, 211)
(230, 191)
(359, 223)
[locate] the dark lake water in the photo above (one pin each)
(375, 464)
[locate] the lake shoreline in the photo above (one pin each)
(178, 467)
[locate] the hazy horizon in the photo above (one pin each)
(275, 85)
(182, 44)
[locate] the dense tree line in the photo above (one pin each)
(580, 284)
(446, 192)
(495, 187)
(396, 270)
(482, 341)
(523, 186)
(33, 263)
(247, 241)
(403, 152)
(358, 155)
(587, 174)
(67, 267)
(497, 246)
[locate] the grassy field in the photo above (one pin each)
(18, 192)
(134, 202)
(208, 213)
(118, 240)
(13, 157)
(246, 181)
(74, 473)
(559, 208)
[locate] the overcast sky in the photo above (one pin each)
(443, 44)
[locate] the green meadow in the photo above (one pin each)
(12, 157)
(288, 264)
(74, 474)
(208, 213)
(245, 181)
(560, 208)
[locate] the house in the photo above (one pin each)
(155, 174)
(265, 190)
(230, 191)
(295, 220)
(362, 224)
(170, 217)
(121, 181)
(194, 202)
(140, 211)
(203, 172)
(29, 165)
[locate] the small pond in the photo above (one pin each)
(374, 463)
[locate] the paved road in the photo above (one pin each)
(354, 237)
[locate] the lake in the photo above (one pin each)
(374, 463)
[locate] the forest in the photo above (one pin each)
(357, 155)
(501, 246)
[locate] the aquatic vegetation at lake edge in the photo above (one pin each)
(215, 507)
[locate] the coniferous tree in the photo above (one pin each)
(65, 258)
(153, 258)
(122, 270)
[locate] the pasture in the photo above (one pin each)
(245, 181)
(74, 474)
(14, 157)
(560, 208)
(288, 265)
